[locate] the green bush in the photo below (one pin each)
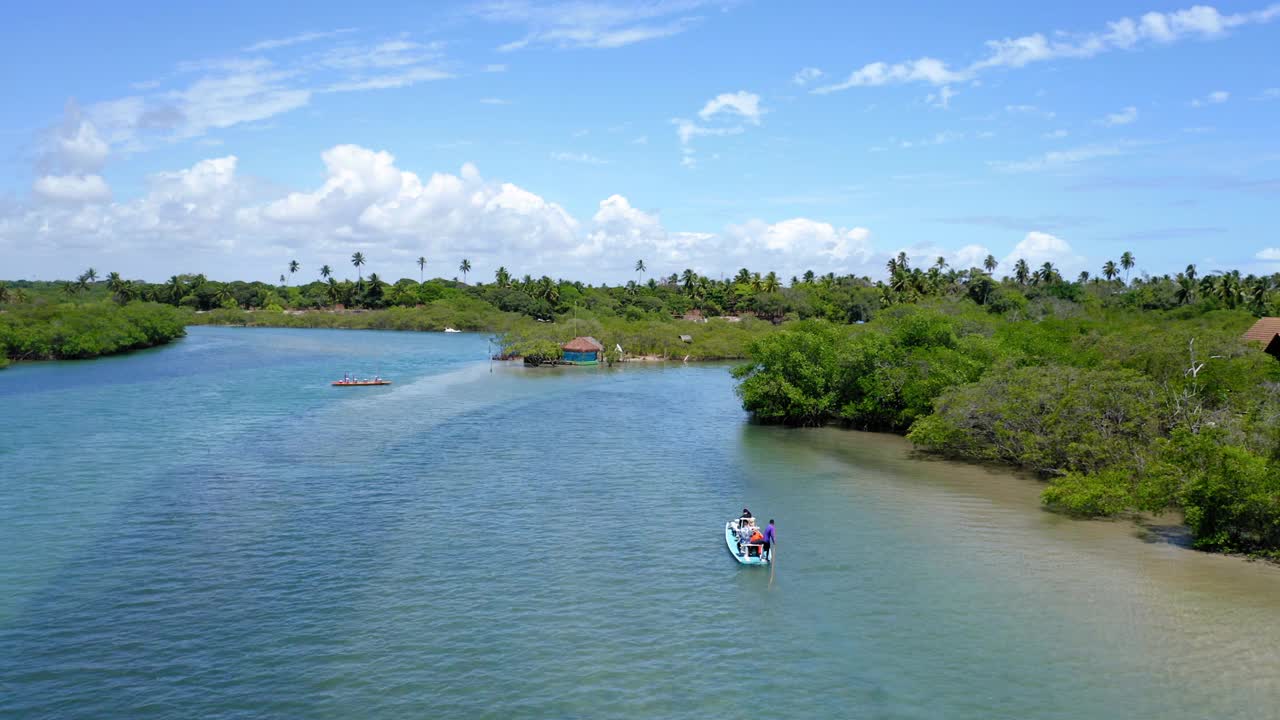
(1052, 419)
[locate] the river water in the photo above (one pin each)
(210, 530)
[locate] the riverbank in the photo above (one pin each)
(649, 338)
(1118, 412)
(77, 331)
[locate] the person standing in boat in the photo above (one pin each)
(769, 540)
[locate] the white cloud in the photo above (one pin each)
(298, 39)
(1038, 248)
(741, 103)
(1056, 159)
(1269, 94)
(1056, 134)
(1217, 97)
(1029, 110)
(1269, 254)
(942, 98)
(806, 75)
(800, 242)
(925, 69)
(1124, 117)
(73, 188)
(641, 140)
(387, 81)
(583, 158)
(495, 68)
(687, 131)
(969, 256)
(1199, 22)
(938, 138)
(367, 202)
(494, 101)
(591, 23)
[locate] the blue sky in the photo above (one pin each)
(575, 138)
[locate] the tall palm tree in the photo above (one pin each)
(808, 277)
(940, 263)
(743, 277)
(1084, 277)
(990, 263)
(176, 288)
(771, 283)
(90, 275)
(502, 277)
(1191, 272)
(640, 269)
(464, 267)
(1126, 262)
(1021, 272)
(325, 272)
(689, 278)
(357, 259)
(903, 260)
(282, 281)
(422, 263)
(293, 267)
(1109, 270)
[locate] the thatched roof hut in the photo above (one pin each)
(583, 351)
(1266, 332)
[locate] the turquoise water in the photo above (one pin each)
(210, 530)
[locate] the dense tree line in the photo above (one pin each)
(68, 331)
(1121, 409)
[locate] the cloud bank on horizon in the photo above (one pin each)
(773, 166)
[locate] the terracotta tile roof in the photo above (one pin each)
(1264, 330)
(583, 344)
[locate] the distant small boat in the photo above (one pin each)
(449, 329)
(744, 555)
(355, 382)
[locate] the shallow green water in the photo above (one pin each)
(210, 530)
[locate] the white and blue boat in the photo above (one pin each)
(748, 554)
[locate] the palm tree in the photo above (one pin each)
(293, 267)
(176, 288)
(90, 275)
(640, 269)
(903, 260)
(808, 277)
(547, 289)
(422, 263)
(502, 277)
(1084, 277)
(325, 272)
(464, 267)
(71, 289)
(1191, 272)
(1186, 291)
(1048, 273)
(940, 263)
(1021, 271)
(1109, 270)
(689, 278)
(357, 259)
(282, 279)
(1126, 262)
(990, 263)
(771, 283)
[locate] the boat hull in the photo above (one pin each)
(370, 383)
(731, 540)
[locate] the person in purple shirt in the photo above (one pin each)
(768, 541)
